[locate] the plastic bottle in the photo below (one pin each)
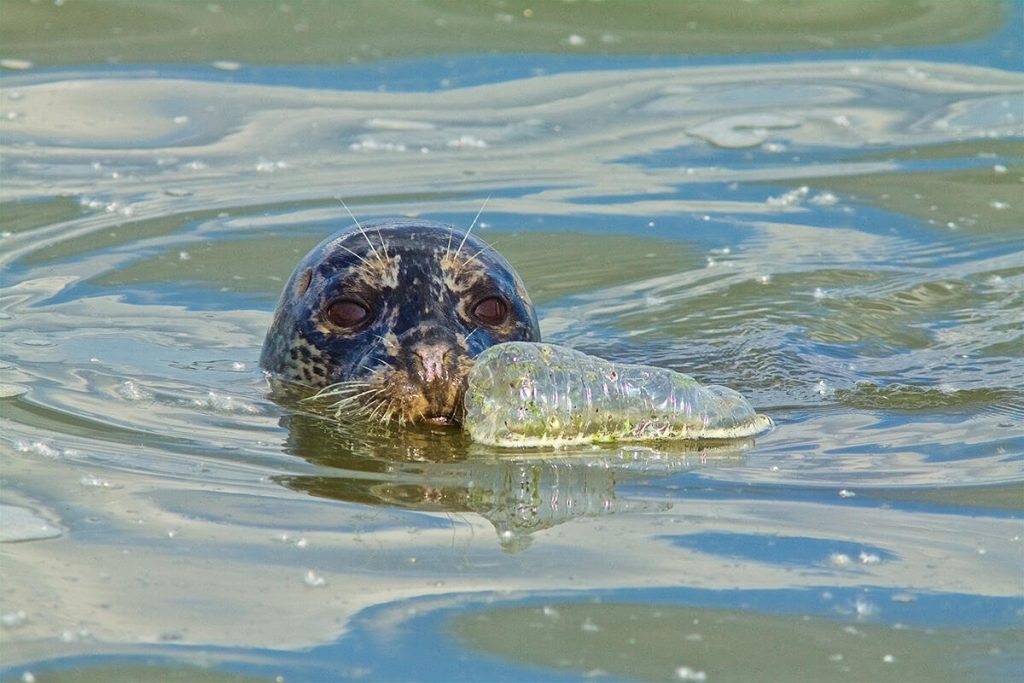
(525, 394)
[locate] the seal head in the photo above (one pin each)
(390, 314)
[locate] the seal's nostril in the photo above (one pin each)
(431, 361)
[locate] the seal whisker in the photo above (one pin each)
(357, 398)
(362, 231)
(361, 258)
(337, 389)
(376, 407)
(380, 361)
(471, 226)
(470, 259)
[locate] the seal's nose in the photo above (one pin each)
(432, 361)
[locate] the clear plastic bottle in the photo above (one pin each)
(523, 394)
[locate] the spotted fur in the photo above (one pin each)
(420, 282)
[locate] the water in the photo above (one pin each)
(836, 233)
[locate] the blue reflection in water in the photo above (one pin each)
(781, 550)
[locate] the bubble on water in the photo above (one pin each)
(685, 673)
(824, 199)
(824, 389)
(550, 612)
(589, 626)
(95, 482)
(225, 404)
(998, 205)
(773, 147)
(180, 120)
(575, 40)
(28, 677)
(467, 141)
(265, 166)
(224, 65)
(841, 120)
(313, 580)
(765, 279)
(999, 168)
(13, 619)
(372, 145)
(37, 448)
(864, 608)
(791, 198)
(888, 659)
(195, 166)
(845, 493)
(16, 64)
(131, 391)
(184, 255)
(840, 560)
(74, 635)
(868, 558)
(819, 293)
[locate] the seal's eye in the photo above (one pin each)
(490, 311)
(347, 313)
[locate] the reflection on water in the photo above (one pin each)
(437, 469)
(839, 240)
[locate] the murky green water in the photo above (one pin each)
(818, 204)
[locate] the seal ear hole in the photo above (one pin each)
(302, 284)
(491, 310)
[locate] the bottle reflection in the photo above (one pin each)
(440, 470)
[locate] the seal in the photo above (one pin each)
(388, 316)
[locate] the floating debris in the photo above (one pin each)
(523, 394)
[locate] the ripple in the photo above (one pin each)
(21, 524)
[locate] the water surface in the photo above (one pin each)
(831, 226)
